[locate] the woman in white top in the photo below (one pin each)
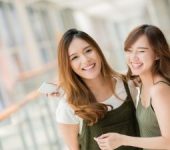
(97, 99)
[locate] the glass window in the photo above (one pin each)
(5, 30)
(1, 101)
(10, 30)
(43, 31)
(15, 25)
(37, 25)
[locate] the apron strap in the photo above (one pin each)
(127, 89)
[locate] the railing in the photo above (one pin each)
(32, 127)
(30, 123)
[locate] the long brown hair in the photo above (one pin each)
(159, 45)
(78, 94)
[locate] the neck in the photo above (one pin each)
(147, 80)
(96, 83)
(150, 79)
(101, 88)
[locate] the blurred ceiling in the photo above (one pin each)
(110, 9)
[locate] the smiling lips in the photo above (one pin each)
(136, 65)
(89, 67)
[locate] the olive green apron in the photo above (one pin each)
(120, 120)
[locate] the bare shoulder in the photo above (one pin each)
(161, 91)
(160, 87)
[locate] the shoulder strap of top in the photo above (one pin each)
(127, 89)
(162, 82)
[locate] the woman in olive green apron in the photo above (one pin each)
(121, 120)
(97, 100)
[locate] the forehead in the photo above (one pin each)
(141, 41)
(76, 45)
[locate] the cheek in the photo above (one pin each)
(75, 65)
(147, 58)
(99, 62)
(152, 60)
(97, 57)
(127, 57)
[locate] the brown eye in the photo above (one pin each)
(75, 57)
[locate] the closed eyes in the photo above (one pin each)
(88, 50)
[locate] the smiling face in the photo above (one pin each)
(84, 59)
(140, 56)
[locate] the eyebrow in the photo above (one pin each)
(141, 47)
(83, 49)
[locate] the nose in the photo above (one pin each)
(84, 59)
(134, 56)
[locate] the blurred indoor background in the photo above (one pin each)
(29, 33)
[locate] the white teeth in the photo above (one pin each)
(88, 67)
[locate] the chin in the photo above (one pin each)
(90, 77)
